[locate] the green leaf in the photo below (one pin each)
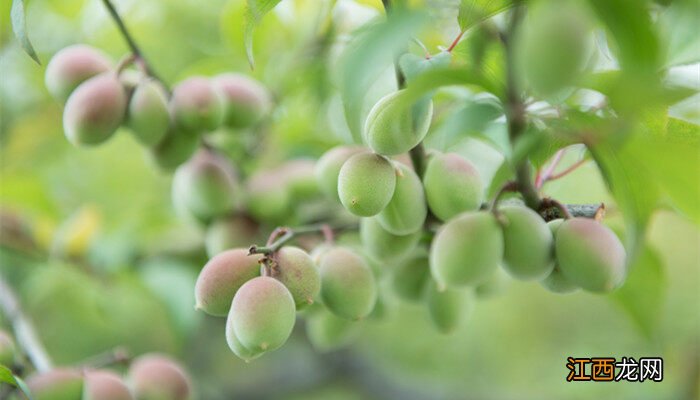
(19, 26)
(8, 377)
(255, 11)
(679, 26)
(412, 65)
(471, 119)
(642, 295)
(502, 175)
(472, 12)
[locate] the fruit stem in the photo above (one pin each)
(117, 355)
(283, 235)
(25, 334)
(549, 202)
(135, 50)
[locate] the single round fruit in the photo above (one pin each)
(590, 255)
(447, 308)
(452, 185)
(299, 177)
(262, 314)
(556, 281)
(56, 384)
(246, 101)
(410, 279)
(328, 332)
(268, 198)
(466, 250)
(236, 347)
(230, 232)
(494, 285)
(393, 127)
(205, 186)
(94, 110)
(366, 184)
(222, 277)
(383, 245)
(197, 105)
(176, 147)
(71, 66)
(348, 286)
(8, 351)
(406, 211)
(328, 168)
(105, 385)
(297, 271)
(148, 115)
(158, 377)
(528, 243)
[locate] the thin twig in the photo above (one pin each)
(542, 178)
(567, 171)
(117, 355)
(24, 331)
(284, 235)
(456, 41)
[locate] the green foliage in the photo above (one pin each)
(472, 12)
(19, 26)
(256, 9)
(6, 376)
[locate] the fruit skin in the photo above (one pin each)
(236, 347)
(528, 243)
(268, 199)
(328, 167)
(366, 184)
(245, 100)
(447, 308)
(299, 178)
(196, 104)
(452, 185)
(328, 332)
(383, 245)
(230, 232)
(222, 277)
(590, 255)
(556, 281)
(406, 210)
(466, 250)
(176, 147)
(263, 314)
(158, 377)
(148, 115)
(391, 128)
(56, 384)
(410, 279)
(8, 351)
(71, 66)
(348, 286)
(297, 271)
(105, 385)
(205, 186)
(94, 110)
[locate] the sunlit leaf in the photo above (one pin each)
(19, 26)
(6, 376)
(472, 12)
(679, 23)
(255, 11)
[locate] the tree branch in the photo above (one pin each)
(283, 235)
(25, 335)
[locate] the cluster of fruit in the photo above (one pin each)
(99, 98)
(150, 377)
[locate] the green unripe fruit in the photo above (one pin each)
(328, 332)
(196, 105)
(492, 286)
(406, 210)
(448, 308)
(236, 347)
(452, 185)
(466, 250)
(348, 286)
(328, 168)
(56, 384)
(105, 385)
(556, 281)
(230, 232)
(394, 128)
(528, 243)
(205, 186)
(383, 245)
(297, 271)
(245, 100)
(94, 110)
(552, 46)
(411, 277)
(158, 377)
(590, 255)
(8, 351)
(175, 148)
(262, 314)
(221, 278)
(268, 198)
(366, 184)
(72, 66)
(299, 177)
(148, 115)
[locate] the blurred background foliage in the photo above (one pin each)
(91, 240)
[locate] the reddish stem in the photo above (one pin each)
(454, 42)
(567, 171)
(547, 173)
